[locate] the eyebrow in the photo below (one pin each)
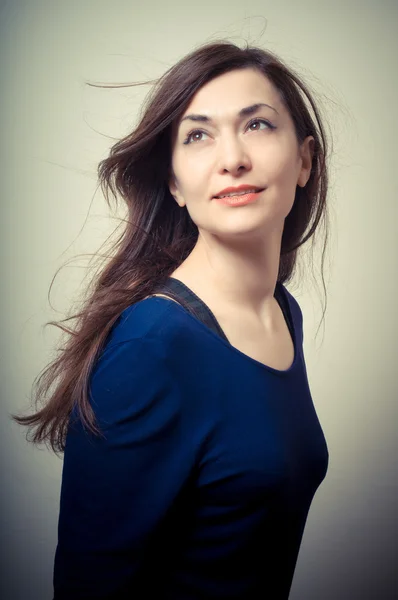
(244, 112)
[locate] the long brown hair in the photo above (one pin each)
(158, 234)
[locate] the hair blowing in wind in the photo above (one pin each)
(158, 235)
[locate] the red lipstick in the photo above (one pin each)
(239, 200)
(239, 188)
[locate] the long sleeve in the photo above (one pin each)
(117, 489)
(201, 484)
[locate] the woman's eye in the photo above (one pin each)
(191, 137)
(197, 134)
(260, 122)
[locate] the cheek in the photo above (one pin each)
(193, 179)
(279, 156)
(281, 167)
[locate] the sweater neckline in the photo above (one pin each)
(280, 294)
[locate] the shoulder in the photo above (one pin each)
(156, 342)
(152, 339)
(141, 320)
(158, 322)
(131, 380)
(292, 302)
(293, 306)
(144, 372)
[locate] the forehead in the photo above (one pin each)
(226, 94)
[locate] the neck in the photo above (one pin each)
(235, 274)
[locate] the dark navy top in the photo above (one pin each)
(201, 485)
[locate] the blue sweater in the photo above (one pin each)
(201, 485)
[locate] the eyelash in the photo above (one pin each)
(191, 133)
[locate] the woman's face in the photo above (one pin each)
(228, 147)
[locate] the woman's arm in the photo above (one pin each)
(116, 491)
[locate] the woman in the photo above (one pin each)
(192, 449)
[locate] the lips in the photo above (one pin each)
(231, 191)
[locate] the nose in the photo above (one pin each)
(233, 156)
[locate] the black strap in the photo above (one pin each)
(178, 291)
(192, 303)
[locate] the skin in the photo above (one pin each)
(234, 265)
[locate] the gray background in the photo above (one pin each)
(55, 130)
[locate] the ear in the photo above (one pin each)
(306, 153)
(175, 192)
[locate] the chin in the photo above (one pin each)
(250, 233)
